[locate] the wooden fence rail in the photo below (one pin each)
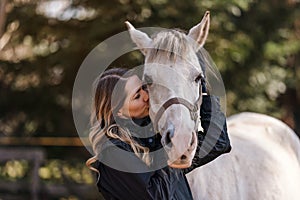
(36, 156)
(33, 151)
(44, 141)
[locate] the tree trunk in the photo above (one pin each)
(2, 16)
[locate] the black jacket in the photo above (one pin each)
(159, 183)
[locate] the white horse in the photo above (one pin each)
(264, 163)
(265, 156)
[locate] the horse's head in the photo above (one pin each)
(173, 73)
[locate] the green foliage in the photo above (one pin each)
(13, 170)
(58, 171)
(255, 45)
(53, 171)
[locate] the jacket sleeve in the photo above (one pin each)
(214, 140)
(123, 183)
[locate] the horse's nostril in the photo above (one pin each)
(183, 157)
(169, 135)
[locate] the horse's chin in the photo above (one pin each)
(178, 164)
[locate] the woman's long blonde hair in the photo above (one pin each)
(102, 121)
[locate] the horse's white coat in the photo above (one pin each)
(171, 62)
(264, 163)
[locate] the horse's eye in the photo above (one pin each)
(198, 78)
(148, 80)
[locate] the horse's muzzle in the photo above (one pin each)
(186, 159)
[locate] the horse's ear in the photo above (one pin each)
(199, 32)
(141, 39)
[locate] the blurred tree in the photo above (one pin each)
(255, 45)
(2, 16)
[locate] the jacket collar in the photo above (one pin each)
(142, 131)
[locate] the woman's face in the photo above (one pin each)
(136, 103)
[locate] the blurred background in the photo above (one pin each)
(255, 45)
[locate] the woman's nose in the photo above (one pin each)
(145, 95)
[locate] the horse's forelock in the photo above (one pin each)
(169, 45)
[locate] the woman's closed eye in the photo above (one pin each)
(137, 96)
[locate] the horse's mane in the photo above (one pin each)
(210, 70)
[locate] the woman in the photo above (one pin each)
(112, 131)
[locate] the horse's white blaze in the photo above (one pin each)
(264, 163)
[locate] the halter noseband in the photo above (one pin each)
(194, 109)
